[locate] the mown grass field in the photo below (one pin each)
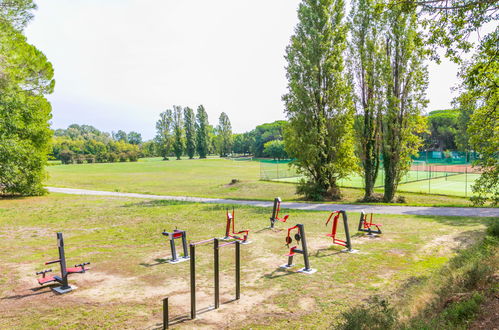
(200, 178)
(128, 277)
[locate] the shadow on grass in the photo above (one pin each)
(159, 261)
(185, 318)
(36, 291)
(459, 221)
(329, 251)
(156, 203)
(280, 272)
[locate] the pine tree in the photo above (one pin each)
(318, 103)
(190, 132)
(202, 133)
(178, 131)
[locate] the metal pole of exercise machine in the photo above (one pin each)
(62, 262)
(304, 246)
(238, 270)
(192, 248)
(166, 322)
(274, 212)
(217, 274)
(347, 231)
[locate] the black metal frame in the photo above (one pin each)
(216, 273)
(173, 236)
(304, 251)
(363, 217)
(273, 218)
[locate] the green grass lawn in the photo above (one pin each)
(128, 277)
(200, 178)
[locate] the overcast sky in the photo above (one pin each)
(119, 63)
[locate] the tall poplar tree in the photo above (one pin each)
(26, 76)
(164, 133)
(405, 81)
(178, 131)
(366, 63)
(224, 135)
(190, 132)
(202, 132)
(318, 103)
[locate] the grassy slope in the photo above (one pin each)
(200, 178)
(122, 240)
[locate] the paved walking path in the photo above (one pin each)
(382, 209)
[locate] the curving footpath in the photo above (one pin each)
(382, 209)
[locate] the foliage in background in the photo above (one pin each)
(178, 131)
(164, 139)
(190, 132)
(26, 76)
(319, 106)
(365, 63)
(202, 132)
(224, 135)
(275, 149)
(84, 143)
(481, 95)
(265, 133)
(443, 130)
(405, 79)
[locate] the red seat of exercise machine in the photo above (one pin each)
(44, 280)
(291, 252)
(330, 235)
(75, 270)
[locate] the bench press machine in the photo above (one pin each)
(275, 213)
(365, 226)
(182, 234)
(65, 272)
(299, 237)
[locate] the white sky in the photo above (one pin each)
(119, 63)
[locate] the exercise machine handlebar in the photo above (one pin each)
(43, 272)
(52, 262)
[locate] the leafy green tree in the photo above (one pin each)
(178, 131)
(26, 76)
(265, 133)
(224, 133)
(120, 136)
(275, 149)
(243, 143)
(319, 105)
(202, 132)
(365, 62)
(134, 138)
(190, 132)
(443, 126)
(163, 137)
(481, 94)
(406, 82)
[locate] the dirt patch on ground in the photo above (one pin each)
(446, 244)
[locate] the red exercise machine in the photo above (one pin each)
(299, 237)
(177, 234)
(65, 272)
(347, 242)
(230, 233)
(365, 226)
(275, 213)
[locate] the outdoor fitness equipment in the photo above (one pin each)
(177, 234)
(216, 249)
(365, 226)
(275, 213)
(65, 272)
(346, 243)
(230, 232)
(299, 236)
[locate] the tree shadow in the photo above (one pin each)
(330, 251)
(459, 221)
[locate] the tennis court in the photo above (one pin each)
(453, 180)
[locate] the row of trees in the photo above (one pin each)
(181, 131)
(84, 143)
(373, 64)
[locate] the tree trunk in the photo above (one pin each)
(390, 180)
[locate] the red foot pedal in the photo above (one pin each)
(44, 280)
